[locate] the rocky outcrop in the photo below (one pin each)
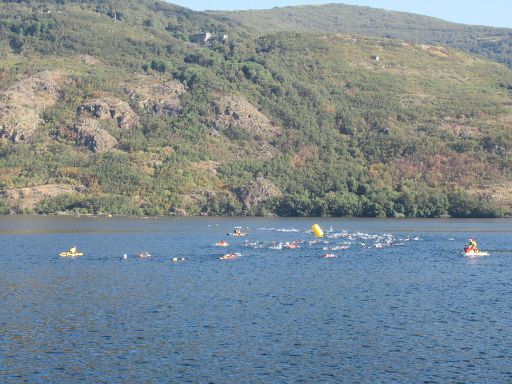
(88, 129)
(91, 135)
(17, 122)
(256, 192)
(28, 198)
(263, 150)
(213, 132)
(21, 104)
(156, 96)
(109, 108)
(234, 111)
(178, 212)
(89, 60)
(36, 92)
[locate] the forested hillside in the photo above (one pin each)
(121, 107)
(493, 43)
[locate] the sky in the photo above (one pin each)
(496, 13)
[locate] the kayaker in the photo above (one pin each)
(72, 252)
(471, 245)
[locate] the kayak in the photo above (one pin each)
(71, 254)
(472, 254)
(239, 234)
(222, 244)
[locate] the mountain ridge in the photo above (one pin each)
(492, 42)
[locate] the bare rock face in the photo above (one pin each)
(236, 111)
(88, 130)
(21, 104)
(36, 92)
(17, 122)
(91, 135)
(28, 198)
(264, 150)
(110, 108)
(256, 192)
(156, 96)
(178, 212)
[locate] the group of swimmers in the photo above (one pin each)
(470, 247)
(237, 231)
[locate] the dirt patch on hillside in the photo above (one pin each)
(303, 155)
(462, 130)
(434, 50)
(207, 166)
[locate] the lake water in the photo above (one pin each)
(398, 303)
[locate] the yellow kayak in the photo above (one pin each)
(71, 254)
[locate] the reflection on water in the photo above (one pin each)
(398, 303)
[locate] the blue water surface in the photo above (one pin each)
(398, 303)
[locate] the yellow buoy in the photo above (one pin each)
(317, 230)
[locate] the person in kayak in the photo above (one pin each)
(471, 246)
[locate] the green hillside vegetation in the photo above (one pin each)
(112, 107)
(492, 43)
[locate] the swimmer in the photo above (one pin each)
(230, 256)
